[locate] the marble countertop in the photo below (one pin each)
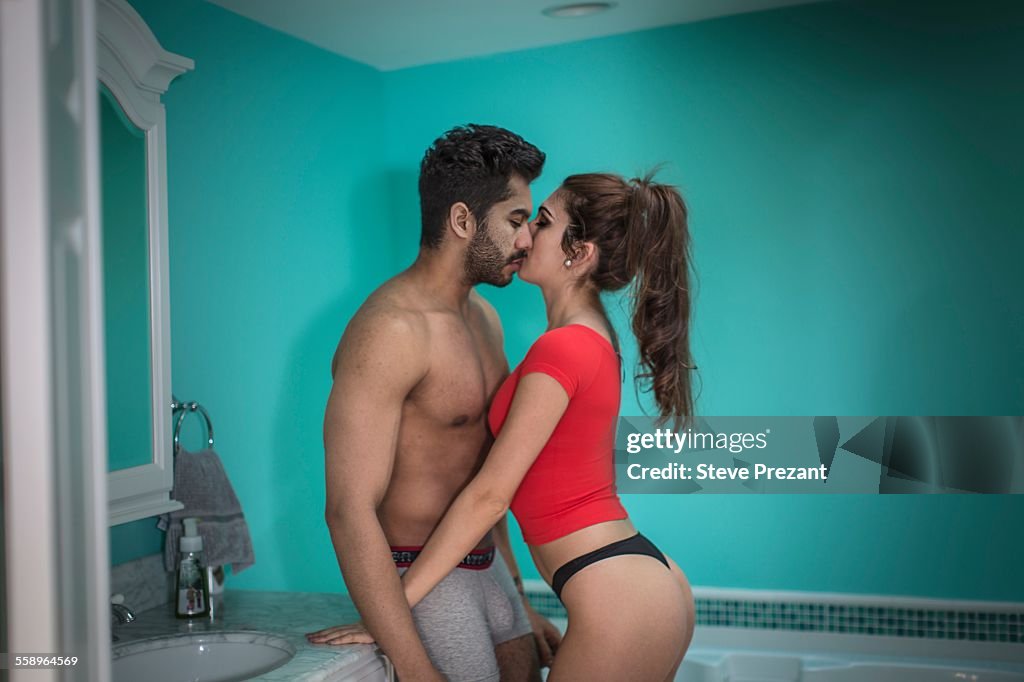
(289, 615)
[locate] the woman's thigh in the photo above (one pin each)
(629, 618)
(691, 607)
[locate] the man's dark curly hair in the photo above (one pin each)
(472, 164)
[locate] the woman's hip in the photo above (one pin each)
(627, 585)
(635, 545)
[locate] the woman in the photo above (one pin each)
(630, 608)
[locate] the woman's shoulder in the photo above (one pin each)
(572, 338)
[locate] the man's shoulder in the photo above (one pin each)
(383, 324)
(382, 320)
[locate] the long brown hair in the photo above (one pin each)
(640, 230)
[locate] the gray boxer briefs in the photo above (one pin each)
(470, 612)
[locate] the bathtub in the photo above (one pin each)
(709, 665)
(759, 657)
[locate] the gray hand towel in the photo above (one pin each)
(201, 484)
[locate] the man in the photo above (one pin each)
(406, 422)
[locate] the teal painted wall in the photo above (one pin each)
(851, 169)
(852, 173)
(276, 190)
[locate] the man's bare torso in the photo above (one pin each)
(443, 435)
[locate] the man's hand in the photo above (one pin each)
(356, 633)
(547, 635)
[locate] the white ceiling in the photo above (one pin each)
(395, 34)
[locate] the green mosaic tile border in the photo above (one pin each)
(545, 603)
(854, 619)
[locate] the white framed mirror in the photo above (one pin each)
(134, 72)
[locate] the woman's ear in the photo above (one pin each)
(586, 258)
(461, 221)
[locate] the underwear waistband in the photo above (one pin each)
(637, 544)
(477, 560)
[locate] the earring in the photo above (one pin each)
(568, 262)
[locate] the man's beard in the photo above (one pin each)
(485, 263)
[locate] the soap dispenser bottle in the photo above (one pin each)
(193, 598)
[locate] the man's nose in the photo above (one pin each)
(524, 237)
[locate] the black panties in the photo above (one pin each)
(637, 544)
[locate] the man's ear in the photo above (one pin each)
(461, 221)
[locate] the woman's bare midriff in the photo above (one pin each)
(551, 556)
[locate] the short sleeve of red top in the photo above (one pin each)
(571, 485)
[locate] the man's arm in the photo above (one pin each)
(504, 544)
(377, 366)
(546, 634)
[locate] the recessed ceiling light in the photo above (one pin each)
(578, 9)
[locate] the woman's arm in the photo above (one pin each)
(538, 405)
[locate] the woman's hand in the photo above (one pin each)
(547, 635)
(355, 633)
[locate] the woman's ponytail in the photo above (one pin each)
(658, 248)
(641, 233)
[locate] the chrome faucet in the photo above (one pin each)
(122, 613)
(119, 613)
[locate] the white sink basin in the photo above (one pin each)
(205, 657)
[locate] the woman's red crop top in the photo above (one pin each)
(571, 485)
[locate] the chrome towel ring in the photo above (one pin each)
(185, 408)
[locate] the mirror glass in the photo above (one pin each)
(126, 292)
